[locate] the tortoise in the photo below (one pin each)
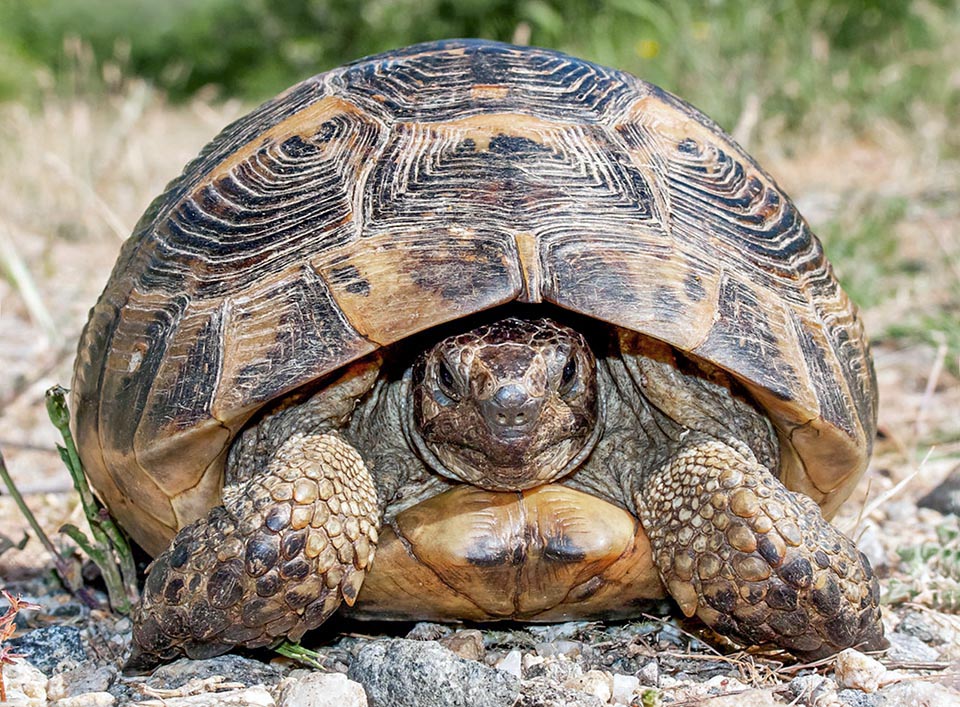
(472, 331)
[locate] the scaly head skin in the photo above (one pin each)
(506, 406)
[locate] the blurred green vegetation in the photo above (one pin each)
(794, 57)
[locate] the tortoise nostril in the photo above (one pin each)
(511, 406)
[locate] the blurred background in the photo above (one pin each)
(852, 106)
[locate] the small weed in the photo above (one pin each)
(109, 548)
(934, 572)
(7, 629)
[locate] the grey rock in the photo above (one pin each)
(541, 692)
(909, 649)
(400, 672)
(945, 497)
(426, 631)
(917, 693)
(79, 681)
(234, 667)
(919, 625)
(856, 698)
(649, 674)
(318, 689)
(556, 671)
(870, 543)
(51, 649)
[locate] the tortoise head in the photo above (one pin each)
(506, 406)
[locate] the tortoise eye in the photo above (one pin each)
(568, 376)
(447, 382)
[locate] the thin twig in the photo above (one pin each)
(69, 578)
(851, 527)
(919, 426)
(22, 279)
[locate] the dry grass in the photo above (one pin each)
(74, 178)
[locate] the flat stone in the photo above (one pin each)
(399, 672)
(25, 685)
(79, 681)
(235, 668)
(945, 497)
(88, 699)
(318, 689)
(51, 649)
(911, 693)
(624, 688)
(256, 696)
(905, 648)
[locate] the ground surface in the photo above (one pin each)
(74, 178)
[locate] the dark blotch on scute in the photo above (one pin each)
(257, 611)
(292, 544)
(278, 517)
(841, 629)
(799, 573)
(827, 598)
(180, 555)
(791, 623)
(173, 592)
(262, 554)
(224, 588)
(485, 554)
(768, 551)
(561, 549)
(157, 577)
(720, 597)
(755, 592)
(822, 559)
(206, 622)
(295, 569)
(269, 584)
(782, 597)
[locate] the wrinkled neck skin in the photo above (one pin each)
(647, 397)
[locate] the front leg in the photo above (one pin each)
(274, 561)
(755, 561)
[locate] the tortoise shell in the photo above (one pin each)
(429, 183)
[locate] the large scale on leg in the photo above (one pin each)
(275, 298)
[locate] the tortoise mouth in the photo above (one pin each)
(504, 462)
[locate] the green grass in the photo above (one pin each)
(803, 62)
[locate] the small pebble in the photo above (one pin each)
(51, 649)
(25, 684)
(88, 699)
(858, 671)
(510, 663)
(570, 649)
(318, 689)
(593, 682)
(530, 661)
(624, 688)
(649, 674)
(466, 643)
(855, 698)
